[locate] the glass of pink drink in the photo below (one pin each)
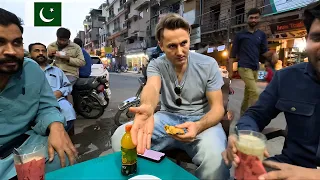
(29, 162)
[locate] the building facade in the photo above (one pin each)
(81, 35)
(92, 24)
(138, 15)
(115, 30)
(191, 12)
(158, 9)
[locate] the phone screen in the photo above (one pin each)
(152, 155)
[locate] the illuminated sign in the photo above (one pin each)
(287, 26)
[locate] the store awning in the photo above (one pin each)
(288, 35)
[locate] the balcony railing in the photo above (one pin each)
(238, 19)
(134, 46)
(214, 25)
(116, 29)
(154, 2)
(110, 17)
(120, 8)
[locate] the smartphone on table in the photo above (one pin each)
(152, 155)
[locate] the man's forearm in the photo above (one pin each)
(212, 118)
(149, 96)
(268, 54)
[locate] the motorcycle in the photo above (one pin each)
(124, 115)
(100, 70)
(89, 97)
(92, 95)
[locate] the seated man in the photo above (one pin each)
(191, 98)
(294, 91)
(58, 81)
(29, 113)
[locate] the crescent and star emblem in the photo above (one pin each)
(44, 19)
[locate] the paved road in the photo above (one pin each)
(93, 136)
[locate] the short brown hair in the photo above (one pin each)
(171, 21)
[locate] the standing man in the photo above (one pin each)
(247, 47)
(29, 112)
(66, 55)
(58, 81)
(84, 71)
(191, 99)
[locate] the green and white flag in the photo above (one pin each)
(47, 14)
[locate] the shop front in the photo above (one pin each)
(135, 61)
(288, 39)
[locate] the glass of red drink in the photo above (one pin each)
(29, 162)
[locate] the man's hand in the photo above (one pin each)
(51, 52)
(58, 94)
(289, 172)
(192, 132)
(60, 142)
(63, 57)
(230, 154)
(143, 124)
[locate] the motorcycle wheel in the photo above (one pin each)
(86, 107)
(123, 116)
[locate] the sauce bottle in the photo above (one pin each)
(129, 154)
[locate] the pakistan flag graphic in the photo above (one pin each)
(47, 14)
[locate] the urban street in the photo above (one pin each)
(92, 137)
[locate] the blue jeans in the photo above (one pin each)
(205, 150)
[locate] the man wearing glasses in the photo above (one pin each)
(66, 55)
(191, 98)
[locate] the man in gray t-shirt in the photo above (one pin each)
(188, 86)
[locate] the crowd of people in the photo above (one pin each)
(34, 105)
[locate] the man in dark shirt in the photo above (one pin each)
(84, 71)
(294, 91)
(247, 46)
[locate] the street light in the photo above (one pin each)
(225, 53)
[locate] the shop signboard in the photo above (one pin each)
(279, 6)
(287, 26)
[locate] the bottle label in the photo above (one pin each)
(129, 161)
(129, 156)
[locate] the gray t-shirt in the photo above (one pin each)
(202, 75)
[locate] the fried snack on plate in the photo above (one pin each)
(173, 130)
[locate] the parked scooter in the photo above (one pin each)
(88, 97)
(92, 95)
